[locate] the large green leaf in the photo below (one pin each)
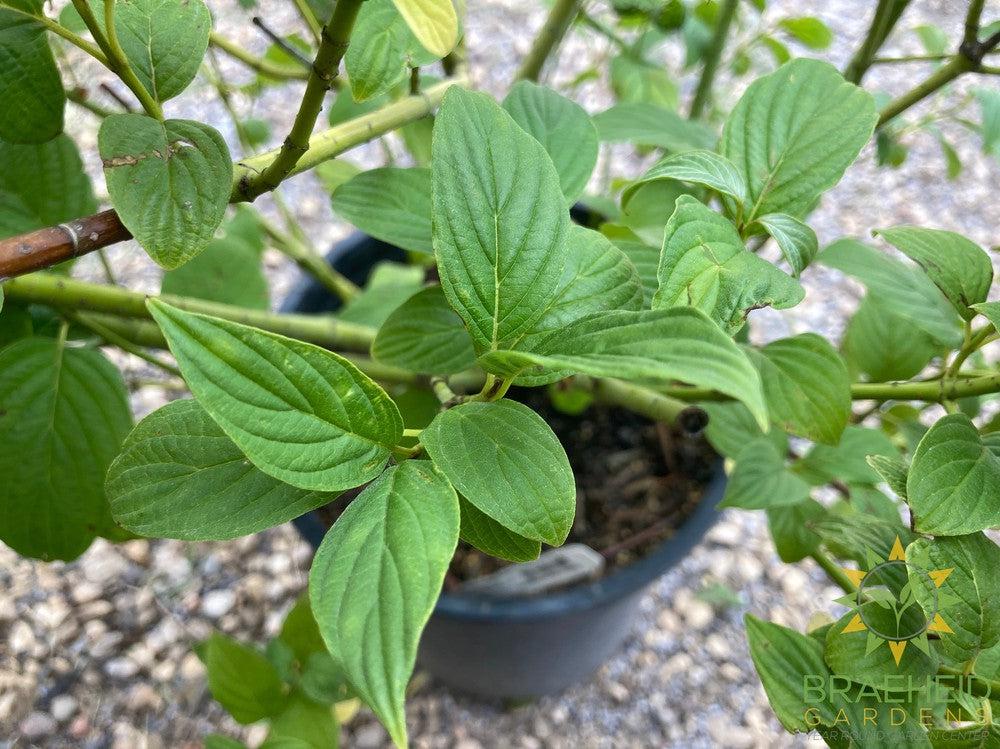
(973, 587)
(165, 42)
(784, 659)
(169, 181)
(646, 260)
(392, 204)
(242, 680)
(382, 50)
(806, 386)
(425, 335)
(794, 133)
(500, 219)
(31, 92)
(303, 724)
(958, 266)
(300, 413)
(731, 427)
(796, 239)
(562, 127)
(228, 271)
(761, 480)
(486, 534)
(42, 185)
(433, 22)
(906, 291)
(884, 345)
(705, 265)
(375, 580)
(180, 476)
(791, 529)
(650, 125)
(952, 483)
(659, 345)
(504, 459)
(704, 168)
(847, 459)
(63, 415)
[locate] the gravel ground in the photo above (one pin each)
(97, 653)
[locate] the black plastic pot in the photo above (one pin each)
(523, 647)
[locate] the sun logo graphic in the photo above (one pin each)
(896, 603)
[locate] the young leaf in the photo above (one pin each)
(500, 220)
(806, 386)
(904, 290)
(956, 265)
(790, 526)
(794, 132)
(809, 30)
(303, 724)
(784, 658)
(376, 578)
(634, 80)
(650, 125)
(504, 459)
(300, 413)
(165, 42)
(973, 585)
(796, 240)
(180, 476)
(705, 265)
(991, 311)
(433, 22)
(425, 335)
(391, 203)
(32, 99)
(562, 127)
(951, 485)
(487, 535)
(761, 480)
(892, 470)
(884, 345)
(382, 50)
(660, 345)
(989, 106)
(242, 680)
(169, 181)
(705, 168)
(63, 415)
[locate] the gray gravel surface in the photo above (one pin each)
(96, 653)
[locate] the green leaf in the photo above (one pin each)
(425, 335)
(300, 413)
(336, 172)
(389, 285)
(63, 415)
(300, 632)
(303, 724)
(806, 387)
(989, 106)
(646, 260)
(991, 311)
(659, 345)
(705, 168)
(973, 588)
(634, 80)
(562, 127)
(956, 265)
(796, 240)
(504, 459)
(376, 578)
(215, 741)
(884, 345)
(855, 535)
(500, 219)
(165, 42)
(794, 133)
(705, 265)
(169, 181)
(761, 480)
(847, 460)
(650, 125)
(933, 39)
(892, 470)
(784, 659)
(433, 22)
(951, 485)
(904, 290)
(228, 271)
(790, 526)
(31, 92)
(731, 427)
(242, 680)
(489, 536)
(382, 50)
(809, 30)
(392, 204)
(180, 476)
(42, 185)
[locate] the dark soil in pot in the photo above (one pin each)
(646, 495)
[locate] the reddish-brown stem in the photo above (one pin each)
(55, 244)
